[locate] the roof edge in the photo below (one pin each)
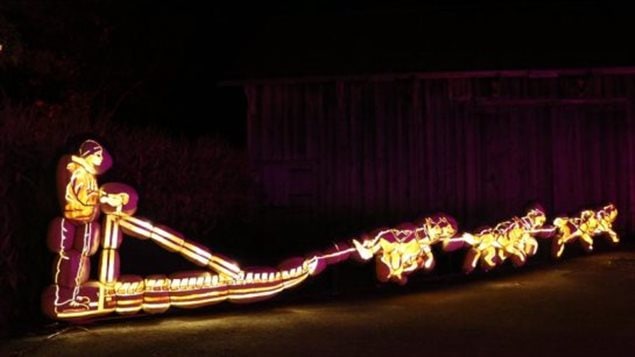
(531, 73)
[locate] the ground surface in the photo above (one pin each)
(581, 306)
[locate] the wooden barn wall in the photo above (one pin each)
(481, 149)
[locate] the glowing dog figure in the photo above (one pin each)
(77, 236)
(583, 228)
(517, 236)
(513, 239)
(402, 250)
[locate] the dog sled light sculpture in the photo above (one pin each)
(402, 250)
(514, 239)
(583, 228)
(77, 236)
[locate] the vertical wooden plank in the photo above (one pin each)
(331, 144)
(292, 118)
(386, 160)
(267, 123)
(434, 143)
(301, 123)
(370, 156)
(308, 113)
(289, 122)
(629, 175)
(400, 154)
(444, 150)
(470, 148)
(356, 138)
(541, 168)
(557, 161)
(414, 162)
(304, 128)
(277, 140)
(282, 128)
(488, 123)
(418, 96)
(253, 121)
(273, 124)
(455, 144)
(531, 151)
(599, 136)
(405, 92)
(320, 146)
(396, 175)
(380, 150)
(534, 169)
(460, 159)
(610, 149)
(472, 172)
(340, 154)
(386, 167)
(311, 98)
(285, 103)
(467, 120)
(513, 181)
(579, 188)
(400, 147)
(430, 165)
(620, 173)
(448, 151)
(344, 150)
(326, 96)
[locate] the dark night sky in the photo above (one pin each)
(440, 35)
(169, 56)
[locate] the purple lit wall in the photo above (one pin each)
(477, 145)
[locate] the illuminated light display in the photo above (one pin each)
(175, 242)
(514, 239)
(79, 235)
(337, 253)
(583, 228)
(87, 301)
(402, 250)
(129, 291)
(76, 236)
(156, 297)
(196, 288)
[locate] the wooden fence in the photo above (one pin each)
(477, 145)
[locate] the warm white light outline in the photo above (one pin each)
(586, 225)
(406, 251)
